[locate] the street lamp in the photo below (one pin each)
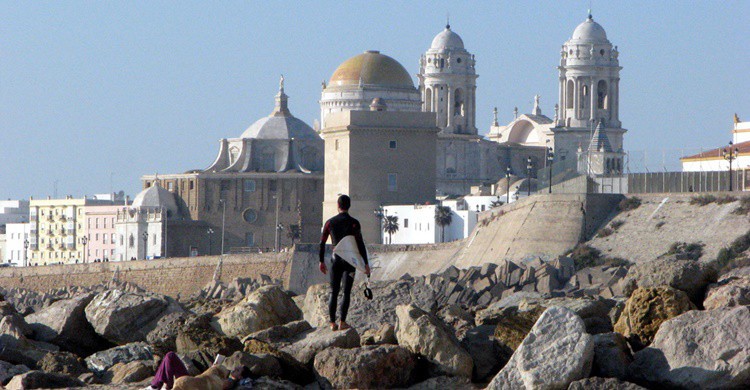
(223, 220)
(25, 252)
(550, 158)
(507, 179)
(84, 241)
(278, 228)
(528, 176)
(145, 245)
(730, 155)
(210, 232)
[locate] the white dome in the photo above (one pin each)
(156, 197)
(447, 39)
(590, 31)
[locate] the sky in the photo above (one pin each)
(95, 94)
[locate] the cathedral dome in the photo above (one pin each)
(372, 68)
(590, 31)
(281, 124)
(447, 39)
(156, 197)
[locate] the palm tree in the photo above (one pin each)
(443, 218)
(390, 226)
(294, 233)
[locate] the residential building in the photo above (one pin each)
(16, 243)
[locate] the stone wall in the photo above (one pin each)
(183, 276)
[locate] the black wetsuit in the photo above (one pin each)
(339, 227)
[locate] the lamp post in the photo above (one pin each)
(278, 226)
(210, 232)
(507, 178)
(730, 155)
(223, 220)
(25, 252)
(145, 245)
(528, 176)
(550, 158)
(84, 241)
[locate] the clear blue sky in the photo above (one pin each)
(95, 94)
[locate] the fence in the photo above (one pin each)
(713, 181)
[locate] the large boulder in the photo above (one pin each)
(646, 309)
(689, 276)
(280, 333)
(64, 324)
(386, 334)
(493, 314)
(265, 307)
(728, 292)
(568, 352)
(165, 332)
(42, 380)
(63, 363)
(369, 367)
(698, 350)
(593, 311)
(291, 369)
(8, 371)
(424, 334)
(370, 314)
(125, 317)
(102, 361)
(611, 356)
(486, 352)
(263, 364)
(306, 345)
(512, 327)
(15, 346)
(457, 318)
(131, 372)
(200, 343)
(597, 383)
(445, 382)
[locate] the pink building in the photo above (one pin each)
(99, 228)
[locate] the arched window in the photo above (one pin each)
(569, 89)
(131, 240)
(602, 99)
(458, 103)
(428, 99)
(233, 153)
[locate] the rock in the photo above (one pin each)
(495, 312)
(512, 327)
(63, 363)
(131, 372)
(15, 346)
(685, 275)
(485, 351)
(386, 334)
(90, 378)
(698, 349)
(611, 356)
(457, 318)
(370, 314)
(280, 333)
(201, 343)
(8, 311)
(593, 311)
(382, 366)
(265, 307)
(8, 370)
(291, 368)
(445, 382)
(124, 317)
(423, 333)
(274, 384)
(260, 365)
(567, 357)
(64, 324)
(102, 361)
(165, 332)
(596, 383)
(728, 292)
(646, 309)
(306, 345)
(42, 380)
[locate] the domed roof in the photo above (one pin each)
(590, 31)
(281, 124)
(372, 68)
(447, 39)
(156, 196)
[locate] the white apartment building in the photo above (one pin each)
(416, 224)
(16, 235)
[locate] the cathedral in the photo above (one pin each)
(386, 141)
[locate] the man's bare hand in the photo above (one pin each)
(323, 268)
(367, 270)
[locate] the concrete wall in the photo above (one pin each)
(172, 276)
(663, 182)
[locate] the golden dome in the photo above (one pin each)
(374, 69)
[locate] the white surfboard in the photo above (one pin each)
(347, 250)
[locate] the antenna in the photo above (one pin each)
(448, 20)
(590, 17)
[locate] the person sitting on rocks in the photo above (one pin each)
(172, 374)
(170, 369)
(337, 228)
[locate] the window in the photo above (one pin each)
(170, 186)
(191, 185)
(104, 222)
(392, 144)
(406, 223)
(249, 185)
(392, 182)
(336, 145)
(250, 215)
(249, 239)
(114, 238)
(272, 185)
(154, 238)
(104, 239)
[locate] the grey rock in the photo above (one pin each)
(492, 314)
(568, 354)
(381, 366)
(42, 380)
(306, 345)
(8, 370)
(596, 383)
(699, 349)
(102, 361)
(280, 333)
(445, 382)
(131, 372)
(485, 351)
(457, 318)
(386, 334)
(728, 292)
(423, 333)
(259, 365)
(265, 307)
(63, 363)
(689, 276)
(611, 356)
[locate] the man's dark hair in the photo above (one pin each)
(344, 202)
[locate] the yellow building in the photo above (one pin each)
(57, 229)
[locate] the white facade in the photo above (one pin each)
(14, 211)
(15, 235)
(713, 160)
(139, 232)
(417, 224)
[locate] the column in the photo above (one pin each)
(615, 103)
(576, 97)
(449, 110)
(594, 98)
(561, 101)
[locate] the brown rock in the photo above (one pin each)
(728, 292)
(369, 367)
(513, 326)
(131, 372)
(646, 309)
(63, 363)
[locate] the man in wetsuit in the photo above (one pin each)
(337, 228)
